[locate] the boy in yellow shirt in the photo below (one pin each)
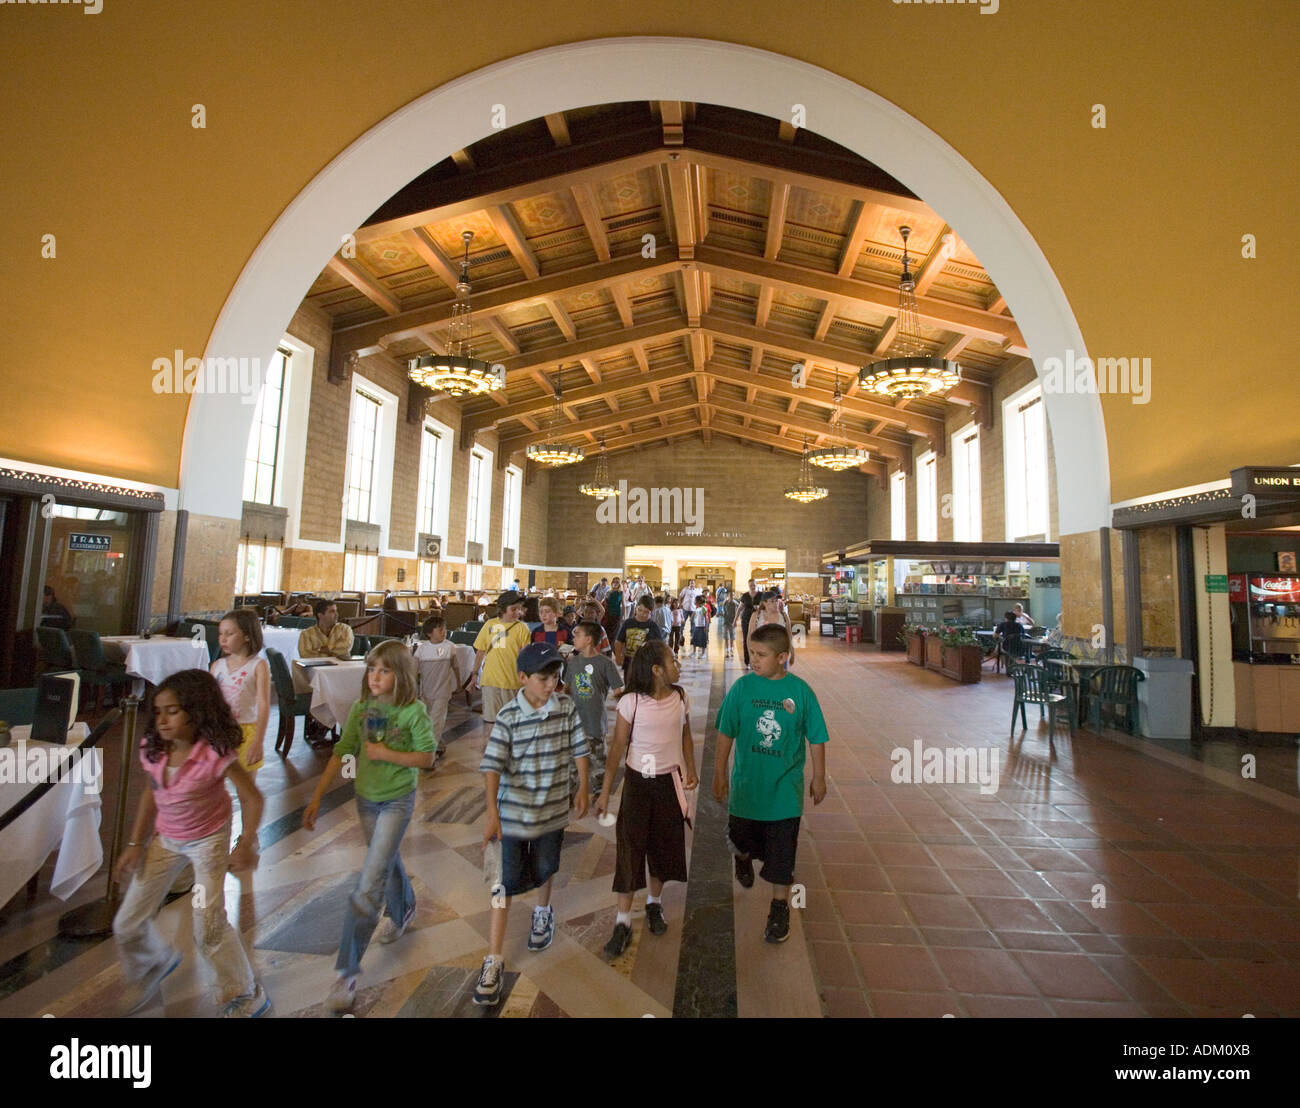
(497, 650)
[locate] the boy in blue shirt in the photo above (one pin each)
(768, 715)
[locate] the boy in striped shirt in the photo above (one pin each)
(535, 745)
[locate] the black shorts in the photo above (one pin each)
(650, 830)
(772, 841)
(527, 864)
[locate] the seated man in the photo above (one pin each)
(1008, 633)
(329, 638)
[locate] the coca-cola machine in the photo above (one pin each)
(1265, 616)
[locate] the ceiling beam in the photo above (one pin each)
(508, 230)
(677, 201)
(852, 248)
(692, 294)
(670, 116)
(480, 421)
(933, 265)
(562, 319)
(559, 128)
(585, 201)
(591, 423)
(776, 219)
(623, 303)
(365, 338)
(502, 332)
(364, 283)
(825, 320)
(763, 307)
(809, 425)
(464, 160)
(914, 422)
(794, 278)
(418, 239)
(789, 445)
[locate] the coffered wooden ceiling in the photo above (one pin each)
(771, 246)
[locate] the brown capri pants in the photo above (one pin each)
(650, 830)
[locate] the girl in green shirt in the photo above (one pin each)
(387, 740)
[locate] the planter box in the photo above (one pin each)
(963, 663)
(933, 652)
(916, 649)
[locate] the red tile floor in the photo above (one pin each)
(929, 899)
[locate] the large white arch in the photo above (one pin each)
(449, 118)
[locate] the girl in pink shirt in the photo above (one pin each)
(188, 751)
(654, 729)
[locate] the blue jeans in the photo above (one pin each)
(382, 881)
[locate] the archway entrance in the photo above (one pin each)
(562, 78)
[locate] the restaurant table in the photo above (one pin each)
(65, 817)
(283, 639)
(335, 687)
(1079, 674)
(156, 658)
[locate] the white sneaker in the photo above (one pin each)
(343, 994)
(390, 930)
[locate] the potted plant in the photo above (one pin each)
(913, 637)
(958, 654)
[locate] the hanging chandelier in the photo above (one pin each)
(457, 372)
(912, 374)
(807, 490)
(838, 457)
(600, 486)
(555, 452)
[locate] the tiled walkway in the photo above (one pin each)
(921, 899)
(1104, 882)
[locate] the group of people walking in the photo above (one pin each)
(544, 701)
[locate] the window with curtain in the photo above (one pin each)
(966, 517)
(360, 571)
(428, 576)
(262, 456)
(473, 575)
(258, 567)
(477, 496)
(1025, 436)
(430, 443)
(363, 445)
(898, 507)
(927, 498)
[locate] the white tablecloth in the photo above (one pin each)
(157, 658)
(66, 819)
(334, 689)
(283, 639)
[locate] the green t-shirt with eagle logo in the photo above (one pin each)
(770, 722)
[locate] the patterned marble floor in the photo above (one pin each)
(921, 899)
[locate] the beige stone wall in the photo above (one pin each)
(210, 547)
(162, 571)
(744, 505)
(1159, 583)
(312, 570)
(534, 517)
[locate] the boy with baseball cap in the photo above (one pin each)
(535, 745)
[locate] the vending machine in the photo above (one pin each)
(1265, 617)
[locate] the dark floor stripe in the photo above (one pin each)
(706, 967)
(21, 970)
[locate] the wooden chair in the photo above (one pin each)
(1034, 686)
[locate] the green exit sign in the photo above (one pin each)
(1216, 582)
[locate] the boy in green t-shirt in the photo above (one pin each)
(768, 714)
(497, 648)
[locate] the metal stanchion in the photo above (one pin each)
(96, 918)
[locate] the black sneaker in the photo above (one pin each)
(778, 922)
(745, 871)
(618, 941)
(654, 918)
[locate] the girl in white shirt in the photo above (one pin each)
(654, 729)
(245, 681)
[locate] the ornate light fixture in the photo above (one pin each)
(600, 486)
(555, 452)
(838, 457)
(807, 490)
(457, 372)
(912, 374)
